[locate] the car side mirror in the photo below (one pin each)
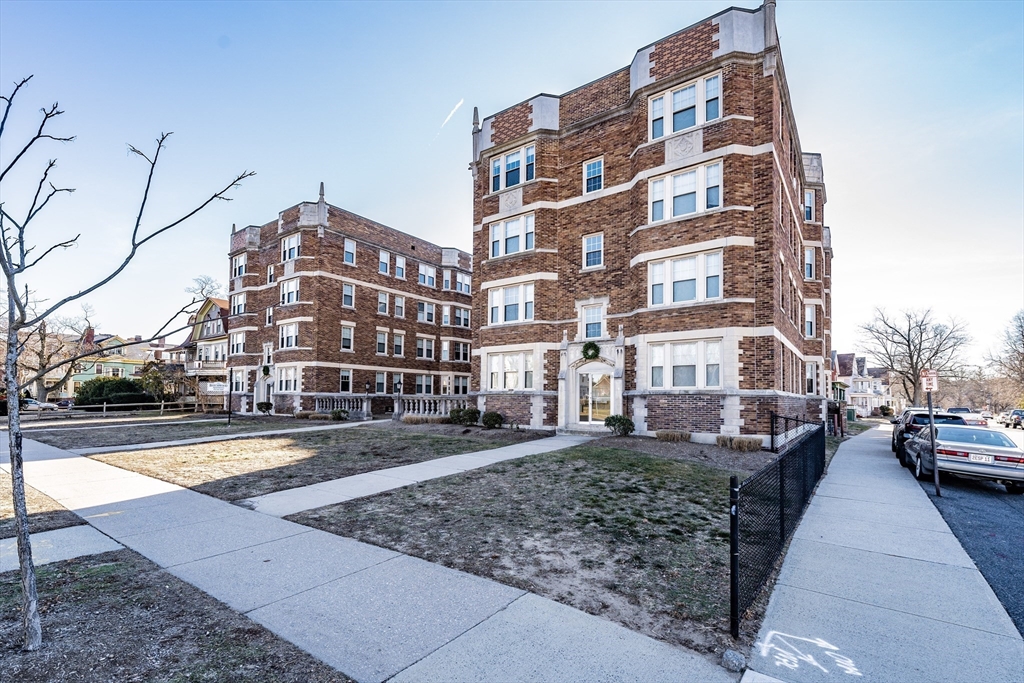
(893, 420)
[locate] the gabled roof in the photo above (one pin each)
(845, 363)
(212, 309)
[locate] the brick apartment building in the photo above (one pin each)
(329, 309)
(667, 213)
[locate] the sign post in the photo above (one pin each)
(930, 383)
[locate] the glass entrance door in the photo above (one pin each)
(595, 397)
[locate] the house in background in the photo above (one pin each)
(110, 360)
(869, 388)
(203, 356)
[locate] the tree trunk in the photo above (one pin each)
(41, 392)
(33, 632)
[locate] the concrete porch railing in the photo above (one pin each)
(358, 407)
(428, 406)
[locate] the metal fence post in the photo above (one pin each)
(734, 556)
(782, 501)
(104, 407)
(773, 431)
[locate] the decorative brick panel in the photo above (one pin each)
(684, 50)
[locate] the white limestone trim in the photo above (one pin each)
(688, 131)
(374, 368)
(643, 176)
(709, 245)
(301, 319)
(816, 302)
(377, 288)
(509, 348)
(246, 329)
(517, 280)
(812, 243)
(689, 217)
(458, 339)
(681, 304)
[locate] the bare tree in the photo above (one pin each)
(45, 347)
(912, 341)
(18, 255)
(204, 287)
(1008, 361)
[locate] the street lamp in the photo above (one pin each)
(397, 385)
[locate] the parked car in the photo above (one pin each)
(987, 414)
(971, 452)
(66, 403)
(912, 421)
(1014, 419)
(958, 410)
(32, 404)
(974, 419)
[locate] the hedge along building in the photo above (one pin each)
(332, 310)
(651, 244)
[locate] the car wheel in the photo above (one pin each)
(894, 449)
(1016, 488)
(919, 472)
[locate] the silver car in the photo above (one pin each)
(972, 452)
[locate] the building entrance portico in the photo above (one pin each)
(595, 397)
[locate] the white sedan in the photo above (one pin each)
(32, 404)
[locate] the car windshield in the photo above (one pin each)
(939, 420)
(982, 437)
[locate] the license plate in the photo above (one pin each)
(978, 457)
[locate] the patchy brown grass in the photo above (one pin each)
(44, 513)
(242, 468)
(639, 539)
(119, 617)
(125, 434)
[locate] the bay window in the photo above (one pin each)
(425, 348)
(812, 378)
(238, 303)
(462, 282)
(693, 190)
(238, 380)
(808, 205)
(511, 304)
(510, 371)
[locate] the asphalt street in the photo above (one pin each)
(989, 523)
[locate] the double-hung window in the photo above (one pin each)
(382, 343)
(428, 275)
(350, 252)
(399, 266)
(347, 333)
(348, 295)
(462, 283)
(345, 382)
(270, 275)
(288, 379)
(446, 315)
(511, 304)
(446, 280)
(461, 352)
(812, 378)
(270, 315)
(424, 384)
(238, 265)
(692, 191)
(692, 104)
(808, 205)
(809, 263)
(593, 251)
(593, 322)
(513, 168)
(238, 380)
(290, 291)
(399, 344)
(694, 365)
(445, 350)
(510, 371)
(379, 386)
(809, 320)
(511, 236)
(461, 317)
(291, 247)
(238, 303)
(686, 279)
(237, 342)
(384, 262)
(288, 336)
(593, 176)
(424, 312)
(399, 306)
(382, 302)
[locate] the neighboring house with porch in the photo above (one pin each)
(869, 388)
(203, 356)
(110, 360)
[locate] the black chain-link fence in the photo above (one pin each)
(765, 509)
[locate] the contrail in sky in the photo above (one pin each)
(448, 118)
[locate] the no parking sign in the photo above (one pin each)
(930, 380)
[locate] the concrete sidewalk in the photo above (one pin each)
(876, 587)
(290, 501)
(369, 612)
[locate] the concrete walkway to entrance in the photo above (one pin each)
(283, 503)
(372, 613)
(875, 587)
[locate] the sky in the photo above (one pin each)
(916, 107)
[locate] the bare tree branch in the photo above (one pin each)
(48, 114)
(10, 101)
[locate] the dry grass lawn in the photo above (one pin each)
(44, 513)
(641, 539)
(242, 468)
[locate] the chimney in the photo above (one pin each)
(90, 338)
(138, 337)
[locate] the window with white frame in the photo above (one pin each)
(428, 275)
(424, 384)
(380, 382)
(347, 335)
(291, 247)
(446, 280)
(459, 385)
(399, 344)
(238, 265)
(345, 382)
(268, 353)
(116, 372)
(809, 263)
(288, 379)
(445, 351)
(238, 380)
(446, 315)
(399, 306)
(692, 365)
(290, 291)
(399, 266)
(424, 312)
(808, 205)
(460, 351)
(462, 283)
(812, 378)
(350, 252)
(382, 343)
(593, 251)
(348, 295)
(691, 104)
(593, 322)
(513, 168)
(461, 317)
(270, 315)
(685, 279)
(593, 176)
(425, 348)
(511, 304)
(382, 302)
(685, 192)
(288, 336)
(384, 262)
(809, 321)
(510, 371)
(270, 275)
(238, 303)
(512, 236)
(237, 342)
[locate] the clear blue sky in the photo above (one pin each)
(916, 106)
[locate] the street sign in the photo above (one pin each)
(930, 380)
